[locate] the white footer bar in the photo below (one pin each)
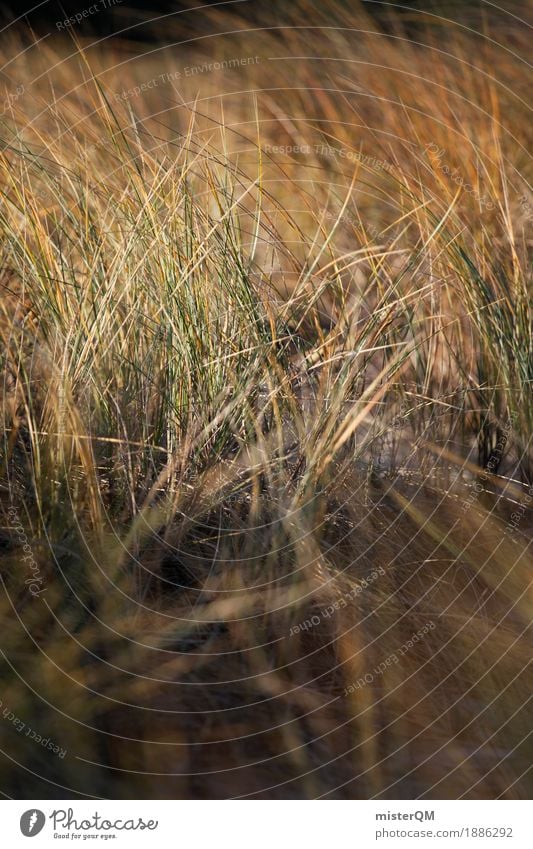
(267, 824)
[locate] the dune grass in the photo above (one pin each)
(266, 400)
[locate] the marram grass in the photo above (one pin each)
(266, 407)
